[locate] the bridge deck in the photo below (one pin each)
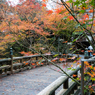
(28, 82)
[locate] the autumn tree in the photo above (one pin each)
(22, 24)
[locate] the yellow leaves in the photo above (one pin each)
(90, 74)
(70, 48)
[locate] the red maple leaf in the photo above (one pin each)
(50, 12)
(86, 16)
(44, 0)
(70, 17)
(58, 10)
(91, 11)
(43, 5)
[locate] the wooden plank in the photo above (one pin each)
(53, 86)
(17, 64)
(57, 83)
(6, 66)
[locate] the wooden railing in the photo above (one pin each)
(16, 64)
(70, 87)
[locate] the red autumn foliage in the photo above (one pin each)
(50, 12)
(70, 17)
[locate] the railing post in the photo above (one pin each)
(36, 58)
(65, 86)
(11, 55)
(53, 93)
(82, 77)
(75, 77)
(21, 60)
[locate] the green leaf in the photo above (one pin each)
(77, 3)
(55, 55)
(93, 79)
(87, 77)
(82, 11)
(73, 69)
(19, 35)
(70, 1)
(77, 78)
(74, 40)
(85, 90)
(90, 25)
(69, 68)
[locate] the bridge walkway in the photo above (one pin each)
(29, 82)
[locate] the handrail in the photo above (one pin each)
(7, 66)
(21, 57)
(49, 90)
(24, 57)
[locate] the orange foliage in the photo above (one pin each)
(26, 63)
(65, 41)
(86, 16)
(43, 0)
(62, 59)
(70, 17)
(42, 63)
(43, 5)
(90, 11)
(89, 50)
(94, 68)
(50, 12)
(58, 11)
(74, 75)
(86, 63)
(33, 64)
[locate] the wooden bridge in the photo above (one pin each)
(33, 81)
